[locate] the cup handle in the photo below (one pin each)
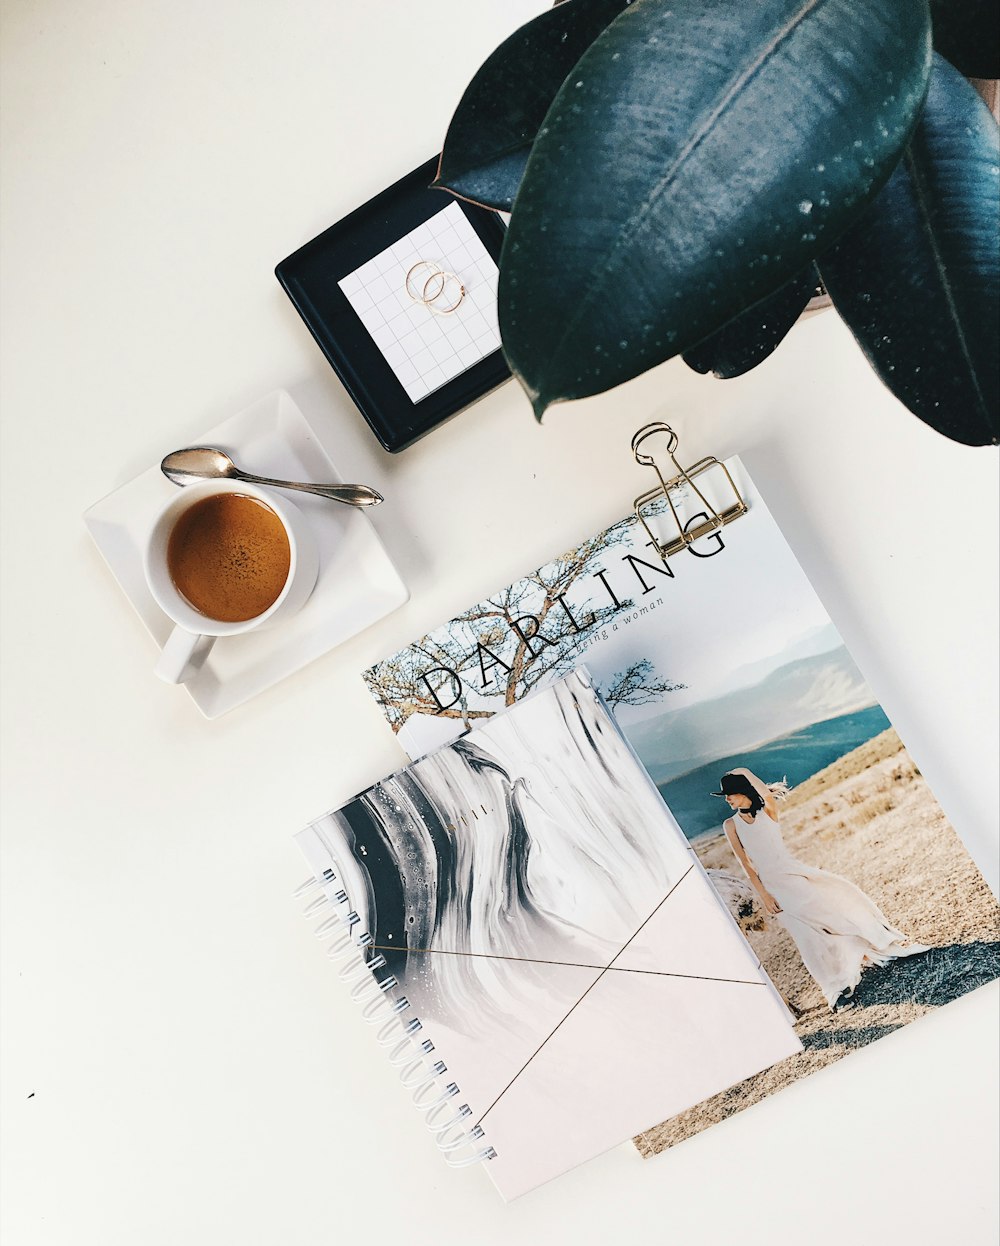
(183, 655)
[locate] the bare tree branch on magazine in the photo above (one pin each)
(638, 685)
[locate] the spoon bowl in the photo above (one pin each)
(197, 463)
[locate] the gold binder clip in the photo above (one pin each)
(687, 532)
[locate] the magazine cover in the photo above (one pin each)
(529, 894)
(739, 696)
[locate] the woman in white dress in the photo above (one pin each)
(838, 931)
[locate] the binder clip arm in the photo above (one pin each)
(682, 477)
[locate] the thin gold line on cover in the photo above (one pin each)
(571, 964)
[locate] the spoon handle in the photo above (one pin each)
(350, 495)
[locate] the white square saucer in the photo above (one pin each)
(357, 582)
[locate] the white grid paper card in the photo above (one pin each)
(426, 350)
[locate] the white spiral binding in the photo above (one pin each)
(407, 1052)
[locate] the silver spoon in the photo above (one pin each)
(186, 467)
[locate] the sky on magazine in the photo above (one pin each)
(754, 614)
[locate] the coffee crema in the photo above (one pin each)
(229, 555)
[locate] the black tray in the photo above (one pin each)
(310, 275)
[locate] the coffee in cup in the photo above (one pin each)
(229, 555)
(223, 558)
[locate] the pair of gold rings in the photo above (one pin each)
(439, 290)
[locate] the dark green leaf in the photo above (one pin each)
(751, 336)
(496, 121)
(967, 33)
(917, 279)
(697, 158)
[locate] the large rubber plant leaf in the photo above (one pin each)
(490, 135)
(698, 156)
(751, 336)
(967, 33)
(917, 279)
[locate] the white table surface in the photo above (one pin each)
(178, 1065)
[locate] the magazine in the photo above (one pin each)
(738, 694)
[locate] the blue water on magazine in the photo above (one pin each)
(796, 756)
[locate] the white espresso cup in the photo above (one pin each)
(194, 634)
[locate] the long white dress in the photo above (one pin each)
(838, 931)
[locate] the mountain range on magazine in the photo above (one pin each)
(528, 895)
(739, 696)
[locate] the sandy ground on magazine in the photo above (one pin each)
(871, 817)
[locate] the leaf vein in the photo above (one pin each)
(922, 199)
(635, 221)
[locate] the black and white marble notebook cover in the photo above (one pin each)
(550, 925)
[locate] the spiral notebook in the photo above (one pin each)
(535, 943)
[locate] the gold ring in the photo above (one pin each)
(434, 286)
(431, 300)
(410, 287)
